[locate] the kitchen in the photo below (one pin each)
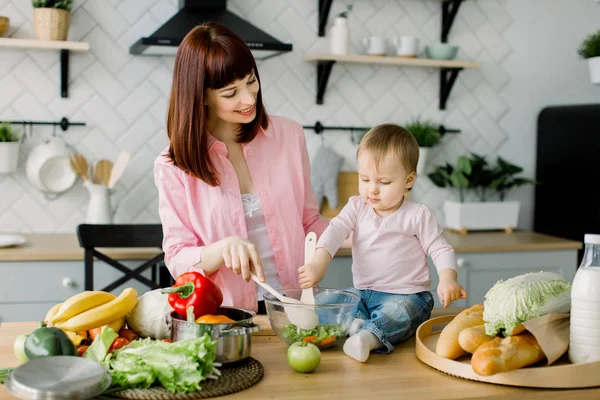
(122, 99)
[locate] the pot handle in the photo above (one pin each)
(240, 330)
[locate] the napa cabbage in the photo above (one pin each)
(516, 300)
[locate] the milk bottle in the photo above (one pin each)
(584, 340)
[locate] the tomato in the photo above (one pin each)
(117, 344)
(303, 356)
(81, 350)
(128, 334)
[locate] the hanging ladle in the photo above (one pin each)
(304, 317)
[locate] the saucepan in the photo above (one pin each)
(234, 339)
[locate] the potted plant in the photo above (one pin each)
(51, 19)
(590, 50)
(473, 173)
(428, 135)
(9, 148)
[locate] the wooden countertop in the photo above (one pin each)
(390, 376)
(65, 247)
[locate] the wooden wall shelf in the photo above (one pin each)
(449, 69)
(64, 47)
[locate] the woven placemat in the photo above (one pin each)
(234, 378)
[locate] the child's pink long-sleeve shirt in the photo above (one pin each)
(195, 214)
(390, 254)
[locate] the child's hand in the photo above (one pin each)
(450, 290)
(311, 274)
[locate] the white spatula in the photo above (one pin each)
(310, 243)
(302, 317)
(118, 168)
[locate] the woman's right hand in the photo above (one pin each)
(241, 256)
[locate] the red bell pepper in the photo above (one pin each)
(192, 289)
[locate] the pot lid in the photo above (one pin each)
(58, 377)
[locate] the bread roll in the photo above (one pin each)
(471, 338)
(447, 345)
(505, 354)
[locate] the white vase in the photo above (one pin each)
(9, 157)
(99, 210)
(481, 215)
(594, 66)
(339, 36)
(423, 152)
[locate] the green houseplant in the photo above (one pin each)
(9, 148)
(51, 19)
(428, 135)
(473, 173)
(589, 49)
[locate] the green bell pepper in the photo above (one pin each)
(48, 341)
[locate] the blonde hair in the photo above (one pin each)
(383, 139)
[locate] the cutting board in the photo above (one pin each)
(265, 326)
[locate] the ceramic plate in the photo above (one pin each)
(11, 240)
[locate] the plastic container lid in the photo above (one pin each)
(58, 377)
(591, 238)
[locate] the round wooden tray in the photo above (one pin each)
(560, 375)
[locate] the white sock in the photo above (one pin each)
(359, 346)
(355, 326)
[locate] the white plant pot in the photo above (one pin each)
(594, 65)
(423, 152)
(481, 216)
(9, 157)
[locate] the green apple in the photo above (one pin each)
(19, 347)
(303, 357)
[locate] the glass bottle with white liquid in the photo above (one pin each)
(584, 340)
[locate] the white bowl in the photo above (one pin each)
(48, 167)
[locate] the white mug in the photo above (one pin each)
(375, 45)
(406, 46)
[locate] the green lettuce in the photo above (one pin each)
(524, 297)
(294, 334)
(179, 367)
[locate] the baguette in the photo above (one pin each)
(506, 354)
(447, 345)
(471, 338)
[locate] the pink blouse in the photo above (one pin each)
(195, 214)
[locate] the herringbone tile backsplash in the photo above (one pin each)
(123, 98)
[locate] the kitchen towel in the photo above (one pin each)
(324, 175)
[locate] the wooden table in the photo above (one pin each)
(393, 376)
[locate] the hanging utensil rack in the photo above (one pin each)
(318, 127)
(64, 123)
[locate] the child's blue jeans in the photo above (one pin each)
(392, 317)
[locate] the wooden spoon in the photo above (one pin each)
(103, 170)
(79, 165)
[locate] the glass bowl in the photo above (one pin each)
(335, 308)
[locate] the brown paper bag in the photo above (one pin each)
(552, 333)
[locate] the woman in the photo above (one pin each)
(233, 184)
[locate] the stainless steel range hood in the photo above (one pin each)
(166, 39)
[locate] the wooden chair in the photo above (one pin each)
(93, 236)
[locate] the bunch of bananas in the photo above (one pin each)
(89, 310)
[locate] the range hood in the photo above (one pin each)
(166, 39)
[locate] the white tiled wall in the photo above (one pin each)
(123, 98)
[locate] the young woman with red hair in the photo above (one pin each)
(234, 183)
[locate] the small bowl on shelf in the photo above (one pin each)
(335, 308)
(441, 51)
(3, 25)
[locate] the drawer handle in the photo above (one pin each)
(461, 263)
(68, 282)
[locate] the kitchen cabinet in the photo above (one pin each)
(30, 288)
